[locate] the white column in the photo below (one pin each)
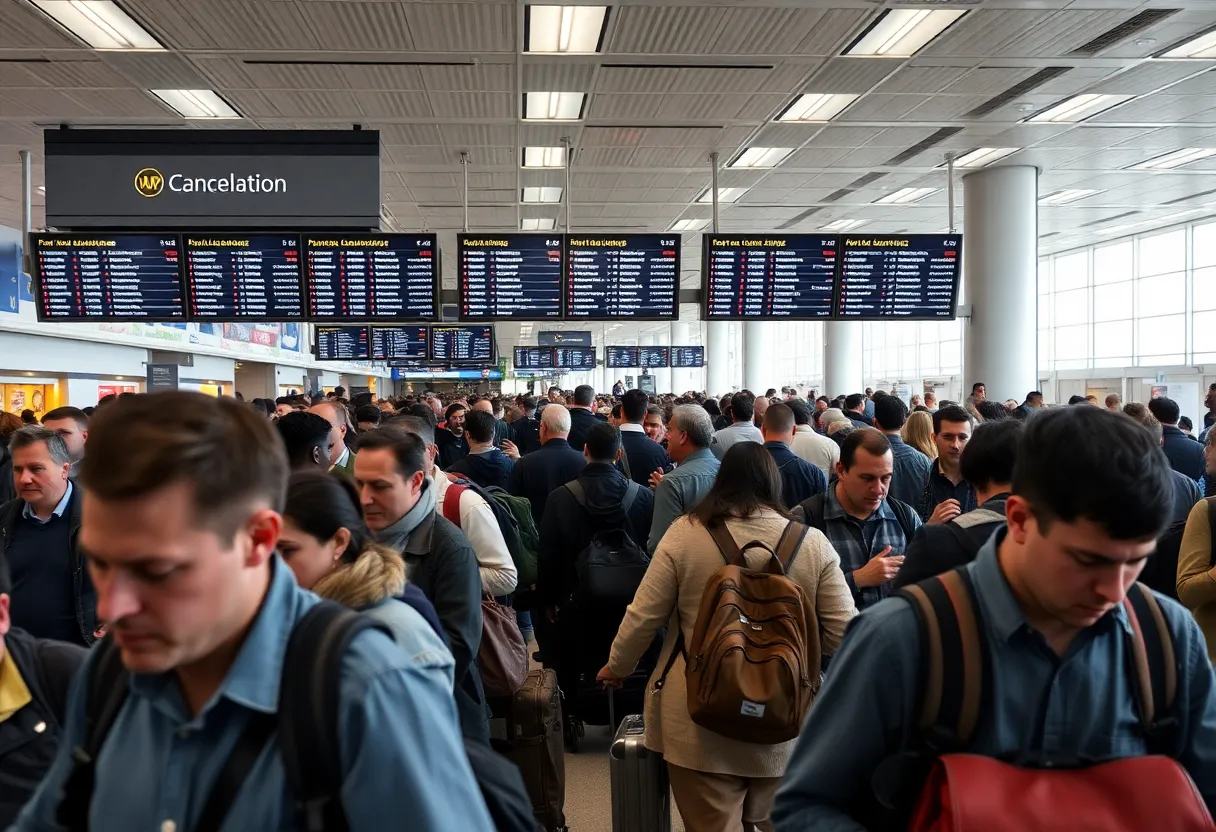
(1000, 263)
(717, 358)
(842, 360)
(757, 375)
(683, 380)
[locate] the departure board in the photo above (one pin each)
(108, 277)
(462, 344)
(653, 357)
(373, 277)
(618, 357)
(576, 358)
(688, 356)
(535, 358)
(234, 277)
(510, 276)
(631, 276)
(399, 343)
(910, 277)
(770, 276)
(343, 343)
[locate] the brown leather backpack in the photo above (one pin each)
(752, 666)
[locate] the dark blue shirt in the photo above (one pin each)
(645, 455)
(525, 433)
(911, 469)
(938, 489)
(40, 563)
(1185, 454)
(536, 475)
(799, 478)
(491, 468)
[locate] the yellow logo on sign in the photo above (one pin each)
(149, 182)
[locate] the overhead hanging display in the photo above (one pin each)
(534, 358)
(236, 277)
(621, 357)
(372, 277)
(576, 358)
(463, 344)
(342, 343)
(766, 276)
(623, 277)
(899, 277)
(509, 276)
(654, 357)
(688, 357)
(401, 343)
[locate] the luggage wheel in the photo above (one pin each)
(573, 732)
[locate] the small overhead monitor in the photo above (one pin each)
(621, 357)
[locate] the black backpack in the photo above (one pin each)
(812, 512)
(612, 565)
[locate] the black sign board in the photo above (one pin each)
(462, 344)
(909, 277)
(343, 343)
(654, 357)
(405, 343)
(535, 358)
(768, 276)
(576, 358)
(372, 277)
(688, 356)
(563, 338)
(509, 276)
(236, 277)
(621, 357)
(162, 377)
(623, 277)
(105, 276)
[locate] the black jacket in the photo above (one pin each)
(645, 456)
(525, 433)
(452, 448)
(1185, 455)
(26, 752)
(7, 490)
(567, 526)
(800, 479)
(536, 475)
(859, 419)
(582, 421)
(939, 548)
(489, 469)
(83, 593)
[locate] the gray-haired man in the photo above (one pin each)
(689, 432)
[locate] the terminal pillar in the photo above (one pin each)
(842, 364)
(1000, 269)
(757, 369)
(717, 358)
(683, 379)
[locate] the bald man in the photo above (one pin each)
(502, 431)
(342, 458)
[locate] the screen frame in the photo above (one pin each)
(372, 342)
(516, 351)
(594, 359)
(192, 315)
(671, 356)
(316, 343)
(607, 353)
(838, 300)
(566, 280)
(436, 281)
(472, 362)
(493, 319)
(664, 366)
(835, 293)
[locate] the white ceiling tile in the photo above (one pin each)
(381, 77)
(21, 27)
(923, 80)
(227, 24)
(639, 108)
(484, 26)
(477, 135)
(560, 75)
(1152, 76)
(852, 75)
(393, 104)
(480, 77)
(477, 105)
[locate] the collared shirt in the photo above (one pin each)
(402, 755)
(816, 449)
(938, 489)
(342, 460)
(27, 510)
(910, 469)
(738, 432)
(630, 427)
(1079, 705)
(680, 491)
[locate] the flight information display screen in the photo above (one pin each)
(576, 358)
(688, 356)
(343, 343)
(114, 277)
(630, 276)
(653, 357)
(511, 276)
(770, 276)
(535, 358)
(400, 343)
(621, 356)
(462, 344)
(235, 277)
(908, 277)
(373, 277)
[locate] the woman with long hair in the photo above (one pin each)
(718, 782)
(918, 432)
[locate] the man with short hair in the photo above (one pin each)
(73, 425)
(1184, 455)
(341, 458)
(525, 431)
(553, 465)
(450, 438)
(741, 429)
(368, 416)
(485, 464)
(759, 408)
(911, 466)
(1032, 405)
(855, 407)
(808, 443)
(1051, 588)
(654, 425)
(642, 455)
(308, 439)
(799, 478)
(582, 417)
(1114, 403)
(689, 433)
(946, 493)
(1186, 491)
(979, 392)
(181, 519)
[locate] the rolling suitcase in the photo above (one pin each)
(641, 793)
(529, 724)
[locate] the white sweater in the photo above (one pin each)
(477, 521)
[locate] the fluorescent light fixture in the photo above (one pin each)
(542, 194)
(724, 195)
(817, 106)
(761, 157)
(901, 33)
(983, 156)
(844, 225)
(537, 224)
(544, 157)
(553, 106)
(197, 103)
(1176, 159)
(905, 196)
(684, 226)
(1203, 46)
(1079, 108)
(571, 30)
(99, 23)
(1067, 195)
(42, 189)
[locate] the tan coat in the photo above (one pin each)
(1196, 577)
(671, 594)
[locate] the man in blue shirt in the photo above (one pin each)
(180, 523)
(741, 429)
(1184, 454)
(689, 432)
(799, 478)
(1050, 590)
(911, 466)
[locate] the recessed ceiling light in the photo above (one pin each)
(983, 156)
(569, 30)
(541, 194)
(761, 157)
(1144, 41)
(544, 157)
(1176, 159)
(901, 33)
(197, 103)
(1079, 107)
(684, 226)
(1067, 195)
(844, 225)
(816, 106)
(906, 195)
(537, 224)
(724, 195)
(1202, 46)
(554, 106)
(99, 23)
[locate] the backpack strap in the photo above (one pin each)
(956, 664)
(576, 488)
(1154, 663)
(791, 542)
(451, 503)
(726, 544)
(903, 514)
(963, 538)
(631, 494)
(236, 771)
(309, 698)
(812, 511)
(625, 462)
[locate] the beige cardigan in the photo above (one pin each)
(1196, 576)
(671, 594)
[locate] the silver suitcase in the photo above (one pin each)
(641, 792)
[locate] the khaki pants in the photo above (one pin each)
(723, 802)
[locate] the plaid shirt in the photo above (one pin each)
(857, 541)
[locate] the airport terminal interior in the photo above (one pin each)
(398, 203)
